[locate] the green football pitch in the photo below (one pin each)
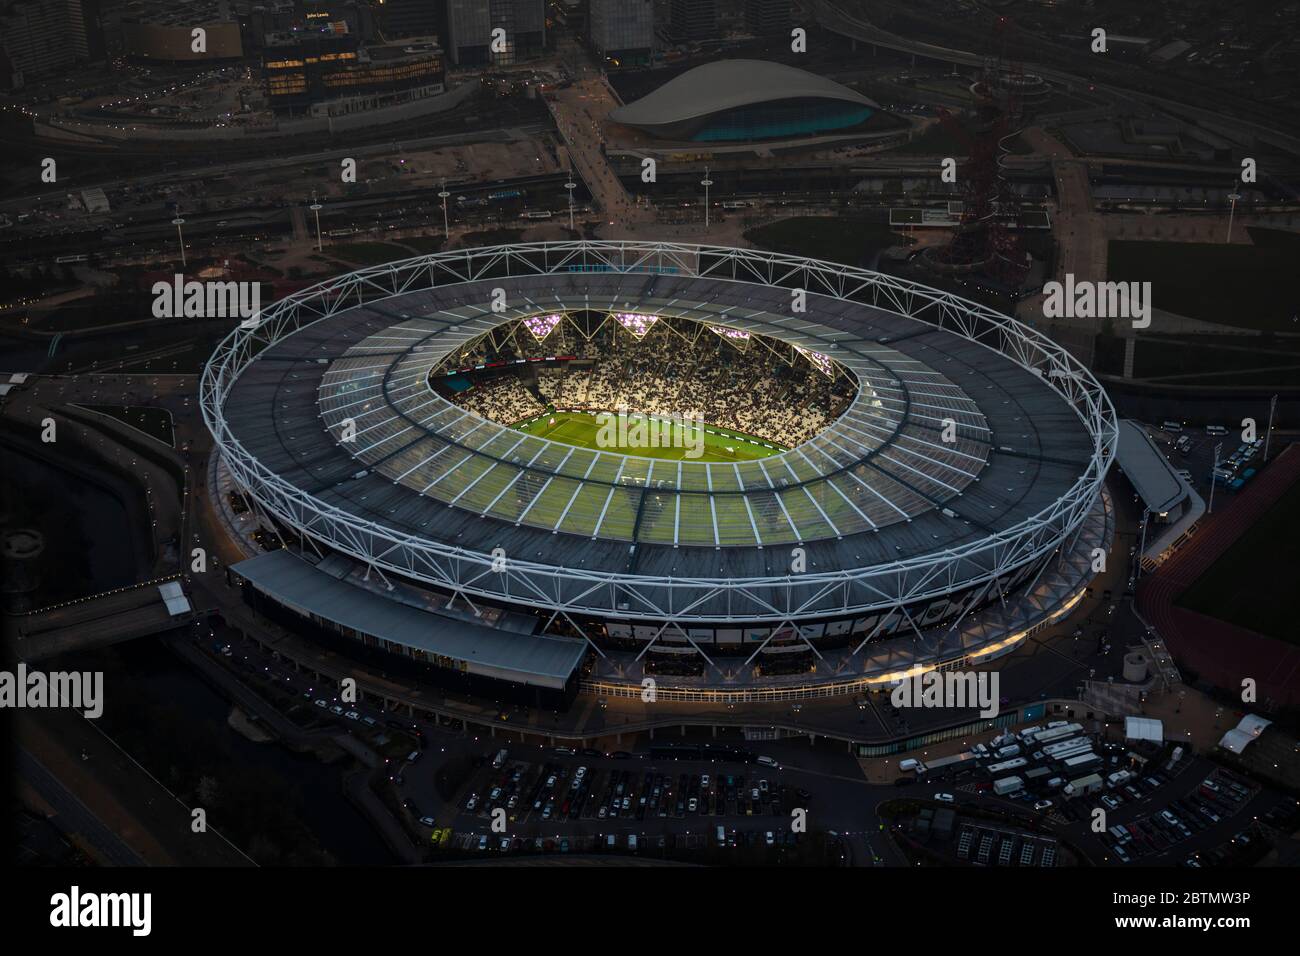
(582, 430)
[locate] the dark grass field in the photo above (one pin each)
(1253, 583)
(852, 241)
(1243, 286)
(1217, 359)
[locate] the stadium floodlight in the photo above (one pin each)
(636, 323)
(727, 333)
(820, 362)
(542, 325)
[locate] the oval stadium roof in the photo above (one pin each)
(728, 84)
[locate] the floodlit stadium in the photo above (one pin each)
(892, 477)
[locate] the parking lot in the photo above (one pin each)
(1205, 825)
(1191, 452)
(1159, 804)
(751, 803)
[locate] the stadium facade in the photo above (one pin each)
(951, 505)
(745, 101)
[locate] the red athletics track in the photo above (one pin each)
(1220, 652)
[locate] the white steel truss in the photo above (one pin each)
(611, 595)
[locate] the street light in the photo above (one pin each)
(570, 186)
(178, 222)
(1136, 571)
(1214, 477)
(315, 207)
(446, 229)
(1234, 196)
(1268, 432)
(706, 182)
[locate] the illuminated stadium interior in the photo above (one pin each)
(763, 392)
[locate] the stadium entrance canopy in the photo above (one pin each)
(518, 658)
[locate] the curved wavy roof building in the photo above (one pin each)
(744, 100)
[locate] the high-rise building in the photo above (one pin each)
(471, 25)
(42, 37)
(332, 72)
(413, 18)
(622, 30)
(693, 20)
(767, 17)
(355, 17)
(162, 31)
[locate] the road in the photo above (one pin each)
(579, 112)
(72, 816)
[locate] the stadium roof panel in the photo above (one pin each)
(883, 463)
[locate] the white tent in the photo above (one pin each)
(1239, 737)
(1144, 728)
(176, 601)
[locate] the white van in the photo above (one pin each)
(908, 764)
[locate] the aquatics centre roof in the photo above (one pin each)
(730, 84)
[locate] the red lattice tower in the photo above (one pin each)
(981, 242)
